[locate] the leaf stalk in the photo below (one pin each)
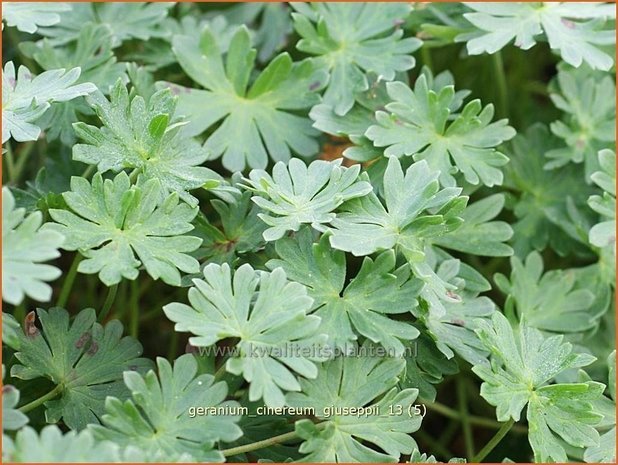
(494, 441)
(44, 398)
(266, 442)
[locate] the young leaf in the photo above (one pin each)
(363, 307)
(522, 365)
(300, 194)
(85, 359)
(140, 135)
(27, 17)
(240, 232)
(550, 301)
(260, 115)
(415, 123)
(24, 248)
(268, 315)
(134, 20)
(577, 41)
(589, 123)
(111, 221)
(352, 383)
(157, 419)
(351, 40)
(26, 97)
(604, 234)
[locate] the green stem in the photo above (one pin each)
(88, 171)
(493, 442)
(109, 301)
(171, 352)
(156, 311)
(220, 371)
(134, 308)
(266, 442)
(67, 285)
(426, 57)
(24, 154)
(503, 98)
(465, 419)
(474, 420)
(20, 312)
(447, 435)
(44, 398)
(10, 163)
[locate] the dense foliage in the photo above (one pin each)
(325, 232)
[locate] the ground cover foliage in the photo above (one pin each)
(324, 232)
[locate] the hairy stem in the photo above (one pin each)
(44, 398)
(109, 301)
(67, 285)
(493, 442)
(503, 98)
(266, 442)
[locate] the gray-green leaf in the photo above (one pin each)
(111, 221)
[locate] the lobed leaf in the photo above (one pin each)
(86, 360)
(111, 221)
(25, 246)
(267, 313)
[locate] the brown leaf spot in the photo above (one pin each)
(8, 388)
(83, 339)
(93, 349)
(30, 328)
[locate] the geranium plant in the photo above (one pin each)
(314, 232)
